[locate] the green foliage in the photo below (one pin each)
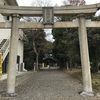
(38, 38)
(77, 73)
(94, 46)
(29, 55)
(41, 44)
(66, 45)
(59, 46)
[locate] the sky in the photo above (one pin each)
(28, 2)
(58, 2)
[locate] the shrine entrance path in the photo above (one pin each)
(50, 85)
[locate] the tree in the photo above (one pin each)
(60, 46)
(29, 55)
(48, 46)
(42, 47)
(37, 35)
(41, 3)
(38, 43)
(94, 48)
(66, 47)
(73, 2)
(66, 44)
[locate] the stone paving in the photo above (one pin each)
(50, 85)
(19, 79)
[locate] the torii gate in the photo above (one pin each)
(79, 11)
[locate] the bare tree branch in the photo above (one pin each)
(41, 3)
(34, 47)
(37, 34)
(73, 2)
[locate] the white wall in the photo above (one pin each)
(3, 33)
(20, 50)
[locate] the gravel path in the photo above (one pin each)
(50, 85)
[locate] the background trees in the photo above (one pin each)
(36, 47)
(37, 44)
(73, 2)
(94, 46)
(66, 44)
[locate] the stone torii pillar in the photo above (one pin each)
(11, 71)
(86, 74)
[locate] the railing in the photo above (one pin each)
(5, 48)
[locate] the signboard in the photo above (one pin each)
(48, 15)
(0, 64)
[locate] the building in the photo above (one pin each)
(49, 61)
(5, 41)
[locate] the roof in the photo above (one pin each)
(48, 57)
(13, 2)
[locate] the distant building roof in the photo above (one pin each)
(48, 57)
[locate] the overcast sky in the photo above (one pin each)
(28, 2)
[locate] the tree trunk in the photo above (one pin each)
(67, 66)
(37, 55)
(37, 63)
(71, 64)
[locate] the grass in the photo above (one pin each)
(96, 81)
(76, 73)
